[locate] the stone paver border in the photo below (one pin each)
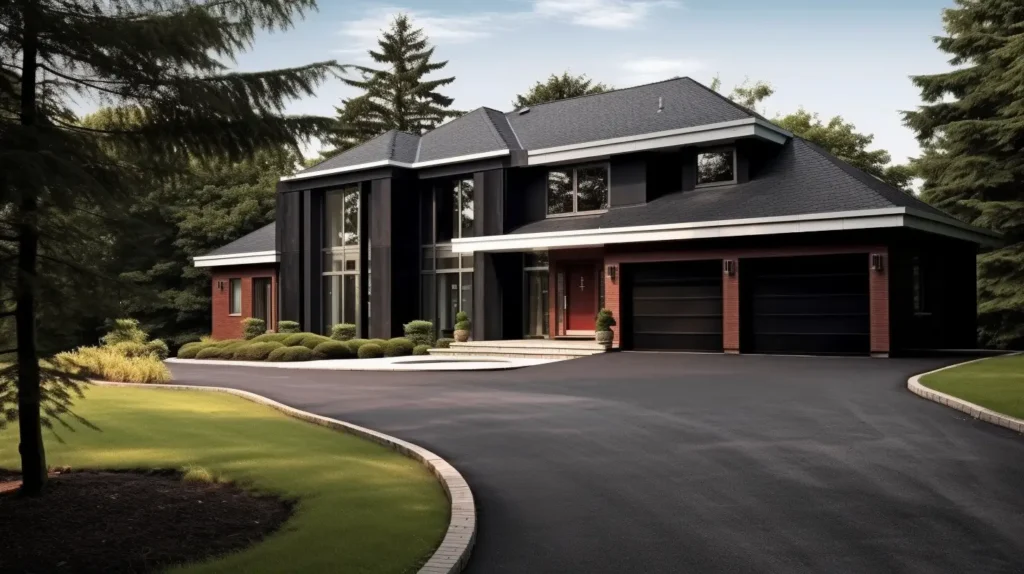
(976, 411)
(452, 555)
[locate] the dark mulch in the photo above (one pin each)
(129, 522)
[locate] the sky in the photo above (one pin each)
(833, 57)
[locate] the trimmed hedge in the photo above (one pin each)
(443, 343)
(343, 332)
(419, 332)
(354, 345)
(288, 327)
(256, 351)
(398, 347)
(189, 350)
(382, 342)
(462, 321)
(271, 337)
(332, 350)
(253, 327)
(290, 354)
(311, 340)
(421, 350)
(371, 351)
(210, 353)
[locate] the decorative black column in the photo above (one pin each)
(289, 245)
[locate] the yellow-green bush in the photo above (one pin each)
(421, 350)
(189, 350)
(398, 347)
(106, 363)
(371, 351)
(271, 337)
(288, 354)
(256, 351)
(211, 353)
(332, 350)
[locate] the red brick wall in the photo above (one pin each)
(225, 325)
(731, 309)
(878, 286)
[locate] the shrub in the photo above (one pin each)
(332, 350)
(130, 349)
(256, 351)
(197, 475)
(290, 354)
(605, 320)
(211, 353)
(398, 347)
(287, 327)
(419, 332)
(207, 339)
(189, 350)
(443, 343)
(158, 349)
(311, 340)
(271, 337)
(461, 321)
(108, 364)
(253, 327)
(343, 332)
(371, 351)
(124, 330)
(354, 345)
(421, 350)
(294, 339)
(381, 342)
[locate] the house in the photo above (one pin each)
(701, 225)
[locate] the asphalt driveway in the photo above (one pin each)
(648, 463)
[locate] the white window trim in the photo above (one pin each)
(575, 191)
(696, 164)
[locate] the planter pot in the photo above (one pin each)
(605, 338)
(461, 335)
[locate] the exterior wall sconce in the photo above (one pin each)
(877, 262)
(613, 271)
(729, 267)
(220, 285)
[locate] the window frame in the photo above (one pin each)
(575, 168)
(717, 149)
(433, 250)
(231, 297)
(345, 249)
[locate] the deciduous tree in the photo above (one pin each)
(559, 88)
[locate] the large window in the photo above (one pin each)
(235, 297)
(716, 167)
(341, 256)
(578, 190)
(538, 301)
(452, 211)
(446, 285)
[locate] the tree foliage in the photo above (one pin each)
(971, 128)
(397, 96)
(559, 88)
(159, 67)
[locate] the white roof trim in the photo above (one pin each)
(836, 221)
(251, 258)
(722, 131)
(393, 163)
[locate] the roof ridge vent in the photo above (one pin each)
(524, 110)
(661, 104)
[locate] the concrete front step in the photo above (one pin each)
(529, 348)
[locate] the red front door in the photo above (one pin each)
(581, 290)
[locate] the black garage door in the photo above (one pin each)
(676, 306)
(805, 305)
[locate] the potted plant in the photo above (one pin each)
(603, 327)
(461, 327)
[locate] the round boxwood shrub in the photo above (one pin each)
(419, 332)
(253, 327)
(287, 327)
(294, 339)
(332, 350)
(354, 345)
(398, 347)
(382, 342)
(371, 351)
(310, 341)
(189, 350)
(256, 351)
(343, 332)
(268, 337)
(290, 354)
(443, 343)
(210, 353)
(421, 350)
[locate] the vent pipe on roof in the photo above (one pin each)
(661, 104)
(524, 110)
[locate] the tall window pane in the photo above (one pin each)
(351, 216)
(235, 297)
(466, 195)
(341, 266)
(466, 294)
(591, 188)
(537, 304)
(559, 192)
(447, 302)
(350, 298)
(446, 208)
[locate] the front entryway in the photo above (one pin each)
(581, 299)
(675, 306)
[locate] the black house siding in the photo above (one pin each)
(394, 255)
(627, 180)
(289, 245)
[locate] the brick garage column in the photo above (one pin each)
(731, 307)
(878, 289)
(611, 296)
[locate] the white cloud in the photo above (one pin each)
(646, 70)
(607, 14)
(441, 29)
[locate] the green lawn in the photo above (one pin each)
(362, 508)
(996, 383)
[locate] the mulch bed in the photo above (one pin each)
(129, 522)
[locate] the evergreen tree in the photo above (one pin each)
(972, 131)
(558, 88)
(158, 65)
(397, 97)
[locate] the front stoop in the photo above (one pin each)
(524, 349)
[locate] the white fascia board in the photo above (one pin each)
(711, 133)
(251, 258)
(393, 163)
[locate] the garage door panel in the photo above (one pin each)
(810, 304)
(676, 290)
(675, 342)
(676, 306)
(710, 324)
(811, 324)
(806, 344)
(679, 306)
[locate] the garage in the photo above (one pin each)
(675, 306)
(805, 305)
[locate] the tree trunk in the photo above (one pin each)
(33, 456)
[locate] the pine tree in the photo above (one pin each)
(158, 65)
(971, 129)
(558, 88)
(397, 97)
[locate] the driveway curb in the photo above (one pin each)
(453, 553)
(976, 411)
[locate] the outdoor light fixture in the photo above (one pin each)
(729, 267)
(220, 285)
(612, 272)
(877, 262)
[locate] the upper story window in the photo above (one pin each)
(448, 213)
(577, 190)
(716, 167)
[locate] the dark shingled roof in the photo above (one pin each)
(802, 179)
(263, 239)
(474, 132)
(393, 145)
